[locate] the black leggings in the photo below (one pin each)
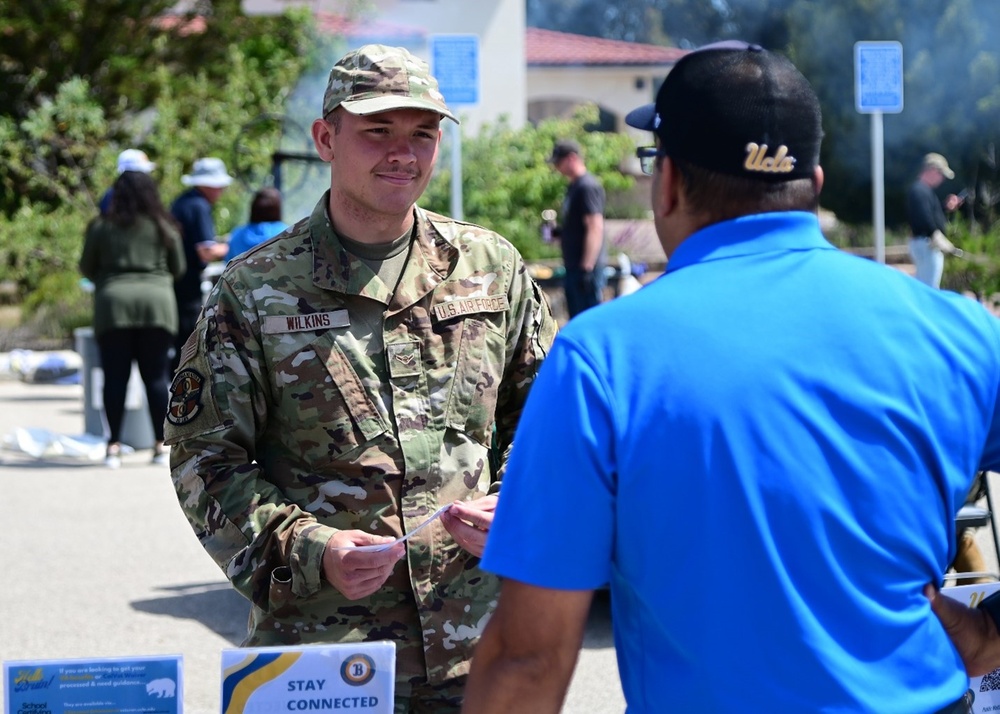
(150, 347)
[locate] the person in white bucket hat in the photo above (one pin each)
(128, 160)
(208, 173)
(193, 210)
(134, 160)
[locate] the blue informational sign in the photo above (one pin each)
(455, 64)
(152, 685)
(878, 77)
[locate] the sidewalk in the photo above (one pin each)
(102, 563)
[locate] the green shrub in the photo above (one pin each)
(37, 242)
(58, 306)
(506, 182)
(57, 161)
(978, 271)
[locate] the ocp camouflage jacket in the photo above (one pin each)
(312, 398)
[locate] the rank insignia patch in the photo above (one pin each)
(185, 397)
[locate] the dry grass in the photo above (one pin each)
(16, 334)
(10, 316)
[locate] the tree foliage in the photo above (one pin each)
(951, 79)
(82, 79)
(104, 42)
(117, 75)
(978, 271)
(170, 84)
(506, 182)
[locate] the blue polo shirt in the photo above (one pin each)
(249, 235)
(762, 452)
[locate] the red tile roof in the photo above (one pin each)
(542, 47)
(551, 48)
(183, 25)
(328, 23)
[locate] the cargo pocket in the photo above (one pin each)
(325, 402)
(479, 369)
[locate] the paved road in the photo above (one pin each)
(101, 563)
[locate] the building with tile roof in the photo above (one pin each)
(566, 69)
(498, 25)
(525, 73)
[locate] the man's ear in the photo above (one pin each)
(667, 187)
(818, 179)
(322, 134)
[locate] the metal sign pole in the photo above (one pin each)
(456, 171)
(878, 185)
(455, 64)
(878, 88)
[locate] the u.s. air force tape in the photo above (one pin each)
(470, 305)
(278, 324)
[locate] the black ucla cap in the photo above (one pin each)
(735, 108)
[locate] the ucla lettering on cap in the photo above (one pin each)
(758, 160)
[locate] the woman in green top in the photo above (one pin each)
(132, 255)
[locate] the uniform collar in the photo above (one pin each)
(749, 235)
(432, 258)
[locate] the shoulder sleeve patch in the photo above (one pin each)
(191, 406)
(185, 397)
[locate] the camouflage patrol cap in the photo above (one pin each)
(378, 78)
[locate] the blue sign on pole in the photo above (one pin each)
(878, 77)
(455, 64)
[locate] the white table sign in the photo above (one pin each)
(310, 678)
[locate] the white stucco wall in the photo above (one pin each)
(500, 25)
(616, 89)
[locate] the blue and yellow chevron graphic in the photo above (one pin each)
(241, 680)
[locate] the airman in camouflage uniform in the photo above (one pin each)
(326, 401)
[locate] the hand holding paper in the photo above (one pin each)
(374, 548)
(358, 563)
(469, 523)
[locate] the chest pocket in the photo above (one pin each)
(324, 406)
(479, 367)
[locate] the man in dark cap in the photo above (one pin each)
(347, 381)
(753, 450)
(925, 213)
(581, 233)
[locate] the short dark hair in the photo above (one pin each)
(266, 206)
(562, 149)
(722, 196)
(336, 117)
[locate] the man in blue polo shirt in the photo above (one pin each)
(762, 451)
